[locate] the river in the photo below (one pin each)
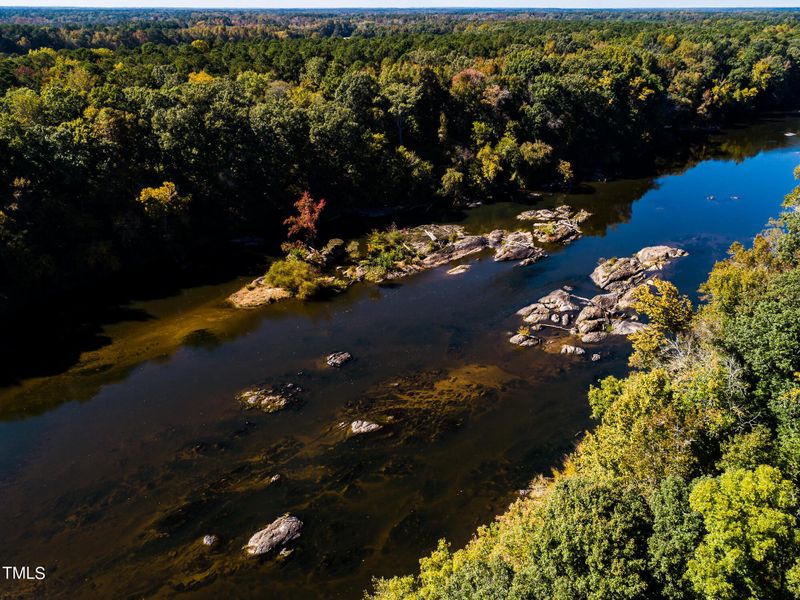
(114, 466)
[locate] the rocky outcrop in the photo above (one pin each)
(281, 531)
(622, 274)
(459, 249)
(559, 232)
(557, 226)
(338, 359)
(268, 399)
(518, 245)
(552, 308)
(594, 319)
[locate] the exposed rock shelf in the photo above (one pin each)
(427, 247)
(592, 320)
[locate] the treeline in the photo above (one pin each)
(688, 486)
(113, 158)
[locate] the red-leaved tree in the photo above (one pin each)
(304, 223)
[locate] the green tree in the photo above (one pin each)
(751, 539)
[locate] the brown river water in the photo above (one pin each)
(112, 469)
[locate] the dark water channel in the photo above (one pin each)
(112, 470)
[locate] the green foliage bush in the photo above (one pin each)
(384, 251)
(299, 278)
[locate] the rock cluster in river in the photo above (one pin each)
(592, 320)
(436, 245)
(281, 531)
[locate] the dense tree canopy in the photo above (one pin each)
(234, 115)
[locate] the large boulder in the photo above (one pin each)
(361, 427)
(589, 313)
(281, 531)
(625, 327)
(622, 274)
(495, 238)
(338, 359)
(558, 301)
(426, 239)
(658, 256)
(518, 245)
(594, 337)
(618, 274)
(535, 313)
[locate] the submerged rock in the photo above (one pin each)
(360, 427)
(282, 530)
(210, 540)
(595, 357)
(256, 294)
(338, 359)
(267, 398)
(594, 337)
(460, 269)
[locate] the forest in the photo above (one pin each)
(137, 141)
(688, 486)
(146, 141)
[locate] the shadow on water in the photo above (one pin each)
(113, 495)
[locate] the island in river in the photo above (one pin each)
(137, 472)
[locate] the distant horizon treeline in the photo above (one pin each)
(142, 142)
